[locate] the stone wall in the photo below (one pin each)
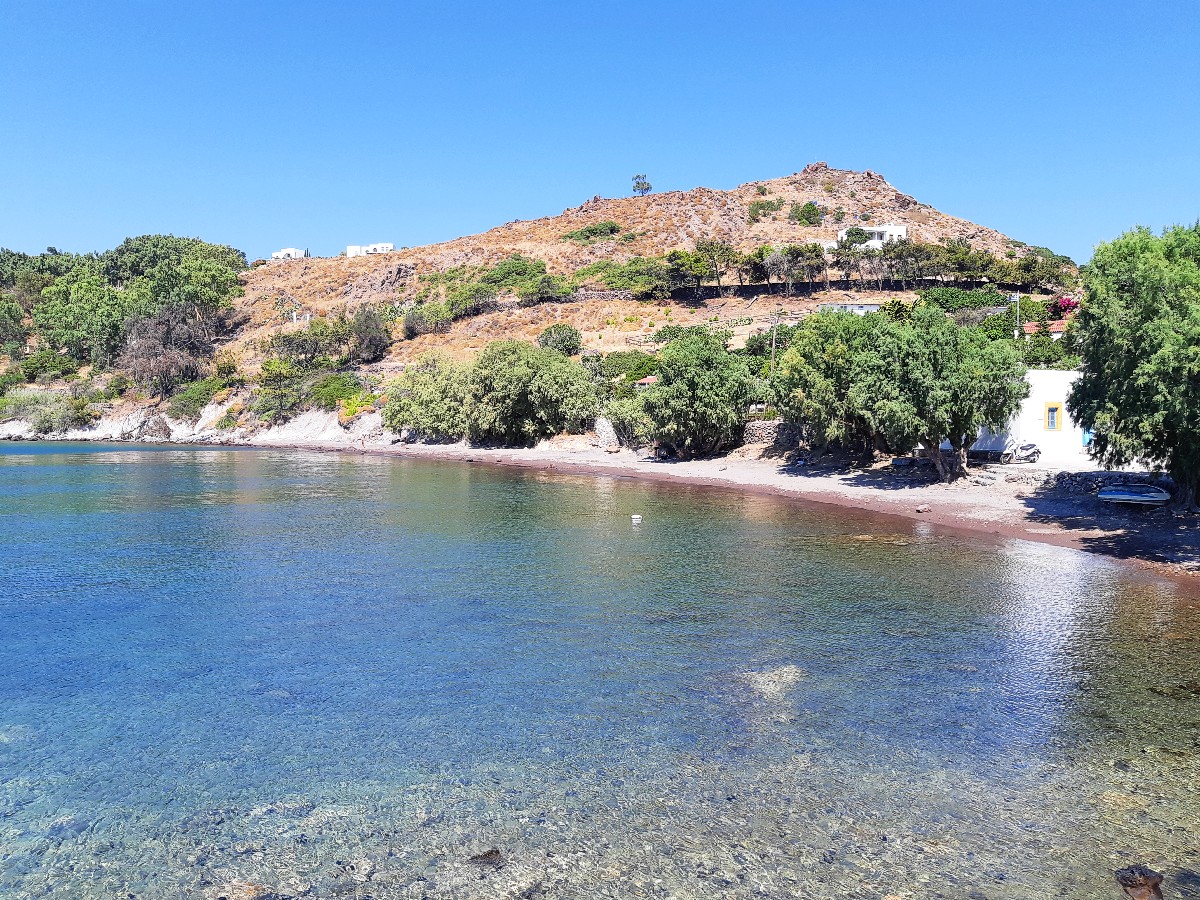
(772, 431)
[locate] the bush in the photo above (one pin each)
(330, 390)
(519, 393)
(761, 208)
(634, 365)
(47, 362)
(430, 398)
(630, 420)
(425, 318)
(544, 289)
(805, 214)
(279, 392)
(11, 379)
(64, 415)
(47, 412)
(562, 337)
(370, 338)
(597, 231)
(191, 399)
(952, 298)
(647, 278)
(700, 401)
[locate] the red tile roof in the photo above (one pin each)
(1058, 326)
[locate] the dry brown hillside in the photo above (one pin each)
(660, 222)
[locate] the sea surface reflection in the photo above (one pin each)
(325, 675)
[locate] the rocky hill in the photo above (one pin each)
(650, 225)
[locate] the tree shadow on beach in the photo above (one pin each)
(1160, 535)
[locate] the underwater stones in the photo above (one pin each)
(1139, 882)
(66, 827)
(492, 857)
(359, 870)
(239, 890)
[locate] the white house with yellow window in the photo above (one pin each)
(1043, 420)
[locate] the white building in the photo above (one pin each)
(288, 253)
(878, 235)
(859, 309)
(368, 249)
(1044, 420)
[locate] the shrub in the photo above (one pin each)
(647, 278)
(630, 420)
(561, 337)
(279, 391)
(330, 390)
(191, 399)
(430, 398)
(634, 365)
(370, 338)
(10, 379)
(425, 318)
(543, 289)
(700, 401)
(597, 231)
(952, 298)
(47, 362)
(761, 208)
(806, 214)
(519, 393)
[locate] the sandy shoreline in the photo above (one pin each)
(1159, 541)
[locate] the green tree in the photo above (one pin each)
(877, 382)
(562, 337)
(702, 396)
(519, 393)
(370, 338)
(718, 256)
(1139, 337)
(429, 397)
(279, 392)
(87, 316)
(641, 186)
(685, 267)
(806, 214)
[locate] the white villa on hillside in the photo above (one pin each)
(288, 253)
(368, 249)
(878, 235)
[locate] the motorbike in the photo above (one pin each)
(1020, 452)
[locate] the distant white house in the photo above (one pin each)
(878, 235)
(288, 253)
(859, 309)
(368, 249)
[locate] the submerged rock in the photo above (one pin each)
(1140, 882)
(493, 858)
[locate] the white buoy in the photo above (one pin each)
(636, 519)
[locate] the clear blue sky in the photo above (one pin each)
(317, 125)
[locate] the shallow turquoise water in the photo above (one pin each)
(343, 676)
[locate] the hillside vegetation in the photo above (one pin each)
(672, 285)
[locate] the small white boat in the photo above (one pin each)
(1141, 494)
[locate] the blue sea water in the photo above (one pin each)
(237, 673)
